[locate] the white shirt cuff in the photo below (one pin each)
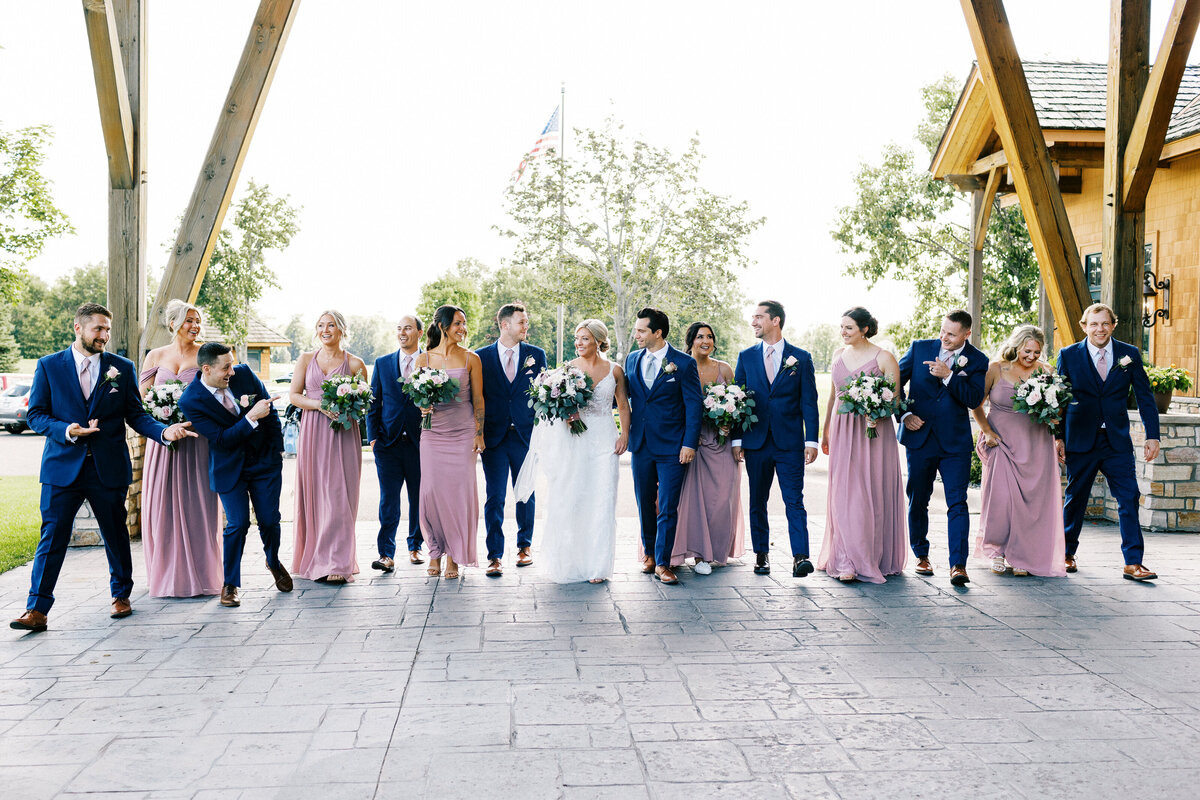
(946, 380)
(736, 443)
(71, 439)
(905, 416)
(813, 445)
(253, 423)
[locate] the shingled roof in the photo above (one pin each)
(258, 335)
(1072, 96)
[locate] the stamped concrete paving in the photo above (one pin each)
(730, 685)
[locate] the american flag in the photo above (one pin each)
(546, 141)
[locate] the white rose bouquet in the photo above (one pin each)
(727, 407)
(871, 396)
(1044, 396)
(162, 402)
(347, 396)
(560, 394)
(427, 387)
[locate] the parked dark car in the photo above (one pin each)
(14, 408)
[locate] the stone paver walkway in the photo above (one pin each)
(730, 685)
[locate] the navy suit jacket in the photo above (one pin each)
(55, 401)
(233, 443)
(945, 408)
(786, 409)
(667, 416)
(1096, 402)
(392, 412)
(505, 403)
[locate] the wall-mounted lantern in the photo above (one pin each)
(1152, 309)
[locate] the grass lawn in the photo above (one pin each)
(19, 520)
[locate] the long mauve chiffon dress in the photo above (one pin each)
(180, 532)
(449, 504)
(1021, 516)
(710, 526)
(865, 518)
(328, 469)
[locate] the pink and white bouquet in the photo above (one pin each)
(347, 396)
(728, 406)
(162, 402)
(427, 387)
(560, 394)
(872, 396)
(1044, 396)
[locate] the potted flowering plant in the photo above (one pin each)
(1164, 381)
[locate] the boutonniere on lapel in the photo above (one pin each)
(1124, 362)
(245, 400)
(529, 362)
(111, 377)
(961, 362)
(669, 368)
(789, 364)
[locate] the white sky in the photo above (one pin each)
(396, 124)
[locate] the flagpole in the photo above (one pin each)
(562, 154)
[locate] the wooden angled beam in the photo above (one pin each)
(1065, 155)
(1149, 131)
(214, 189)
(1022, 138)
(116, 119)
(983, 209)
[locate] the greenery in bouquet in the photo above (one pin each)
(427, 387)
(560, 394)
(348, 397)
(728, 407)
(162, 402)
(1043, 396)
(872, 396)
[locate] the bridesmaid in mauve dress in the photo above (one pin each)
(328, 463)
(865, 537)
(1021, 518)
(180, 530)
(449, 499)
(710, 527)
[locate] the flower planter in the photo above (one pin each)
(1163, 400)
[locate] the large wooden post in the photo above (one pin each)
(223, 162)
(1124, 231)
(982, 199)
(1028, 161)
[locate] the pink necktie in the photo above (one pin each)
(227, 401)
(510, 366)
(85, 380)
(770, 364)
(1102, 365)
(407, 370)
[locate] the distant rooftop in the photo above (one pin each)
(259, 334)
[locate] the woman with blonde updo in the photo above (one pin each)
(328, 462)
(1021, 519)
(180, 531)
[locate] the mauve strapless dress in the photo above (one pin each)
(449, 504)
(180, 533)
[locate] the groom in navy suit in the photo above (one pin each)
(666, 408)
(784, 440)
(1095, 434)
(231, 408)
(945, 378)
(509, 365)
(81, 400)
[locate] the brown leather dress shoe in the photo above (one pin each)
(414, 557)
(958, 576)
(524, 559)
(383, 563)
(1136, 572)
(1071, 565)
(121, 608)
(283, 581)
(31, 620)
(665, 575)
(494, 569)
(923, 567)
(648, 565)
(229, 596)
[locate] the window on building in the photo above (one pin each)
(1091, 268)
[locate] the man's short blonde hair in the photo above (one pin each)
(1096, 308)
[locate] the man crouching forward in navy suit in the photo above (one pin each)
(229, 406)
(81, 399)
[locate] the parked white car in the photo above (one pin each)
(14, 406)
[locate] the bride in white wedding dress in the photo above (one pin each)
(580, 531)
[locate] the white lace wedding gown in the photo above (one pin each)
(579, 536)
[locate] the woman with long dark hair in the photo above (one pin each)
(449, 500)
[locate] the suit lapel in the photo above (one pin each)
(67, 367)
(662, 375)
(1090, 366)
(637, 368)
(100, 389)
(520, 359)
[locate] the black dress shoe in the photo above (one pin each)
(762, 566)
(801, 566)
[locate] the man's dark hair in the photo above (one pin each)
(507, 310)
(655, 320)
(774, 309)
(960, 316)
(420, 325)
(210, 353)
(88, 310)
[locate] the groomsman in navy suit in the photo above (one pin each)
(784, 440)
(81, 400)
(666, 408)
(231, 408)
(945, 378)
(1095, 435)
(509, 365)
(394, 431)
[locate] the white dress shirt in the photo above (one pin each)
(657, 356)
(93, 362)
(1094, 352)
(777, 359)
(503, 352)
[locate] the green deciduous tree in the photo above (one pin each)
(300, 333)
(44, 317)
(370, 337)
(237, 272)
(462, 287)
(907, 226)
(28, 215)
(10, 351)
(820, 340)
(636, 228)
